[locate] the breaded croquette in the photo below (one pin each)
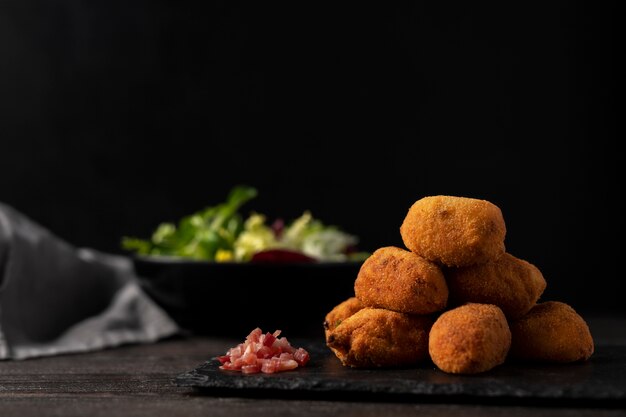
(373, 338)
(469, 339)
(454, 231)
(511, 283)
(399, 280)
(341, 312)
(551, 332)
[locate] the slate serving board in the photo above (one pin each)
(599, 382)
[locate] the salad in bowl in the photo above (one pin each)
(218, 272)
(221, 233)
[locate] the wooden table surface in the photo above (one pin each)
(137, 381)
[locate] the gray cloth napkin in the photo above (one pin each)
(56, 298)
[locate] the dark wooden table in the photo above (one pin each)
(138, 381)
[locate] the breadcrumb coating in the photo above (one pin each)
(399, 280)
(454, 231)
(511, 283)
(374, 338)
(341, 312)
(470, 339)
(551, 332)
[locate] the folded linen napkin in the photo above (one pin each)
(56, 298)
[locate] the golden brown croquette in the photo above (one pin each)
(551, 332)
(399, 280)
(511, 283)
(469, 339)
(454, 231)
(374, 338)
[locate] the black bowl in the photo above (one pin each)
(231, 299)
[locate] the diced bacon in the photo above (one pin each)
(236, 351)
(269, 339)
(251, 369)
(287, 365)
(228, 366)
(264, 352)
(254, 335)
(249, 358)
(269, 366)
(284, 345)
(267, 353)
(301, 356)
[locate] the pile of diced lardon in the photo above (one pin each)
(263, 352)
(454, 296)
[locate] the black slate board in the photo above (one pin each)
(599, 382)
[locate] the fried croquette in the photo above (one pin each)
(551, 332)
(454, 231)
(469, 339)
(511, 283)
(341, 312)
(374, 338)
(399, 280)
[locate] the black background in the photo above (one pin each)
(117, 115)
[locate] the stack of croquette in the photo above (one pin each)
(456, 297)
